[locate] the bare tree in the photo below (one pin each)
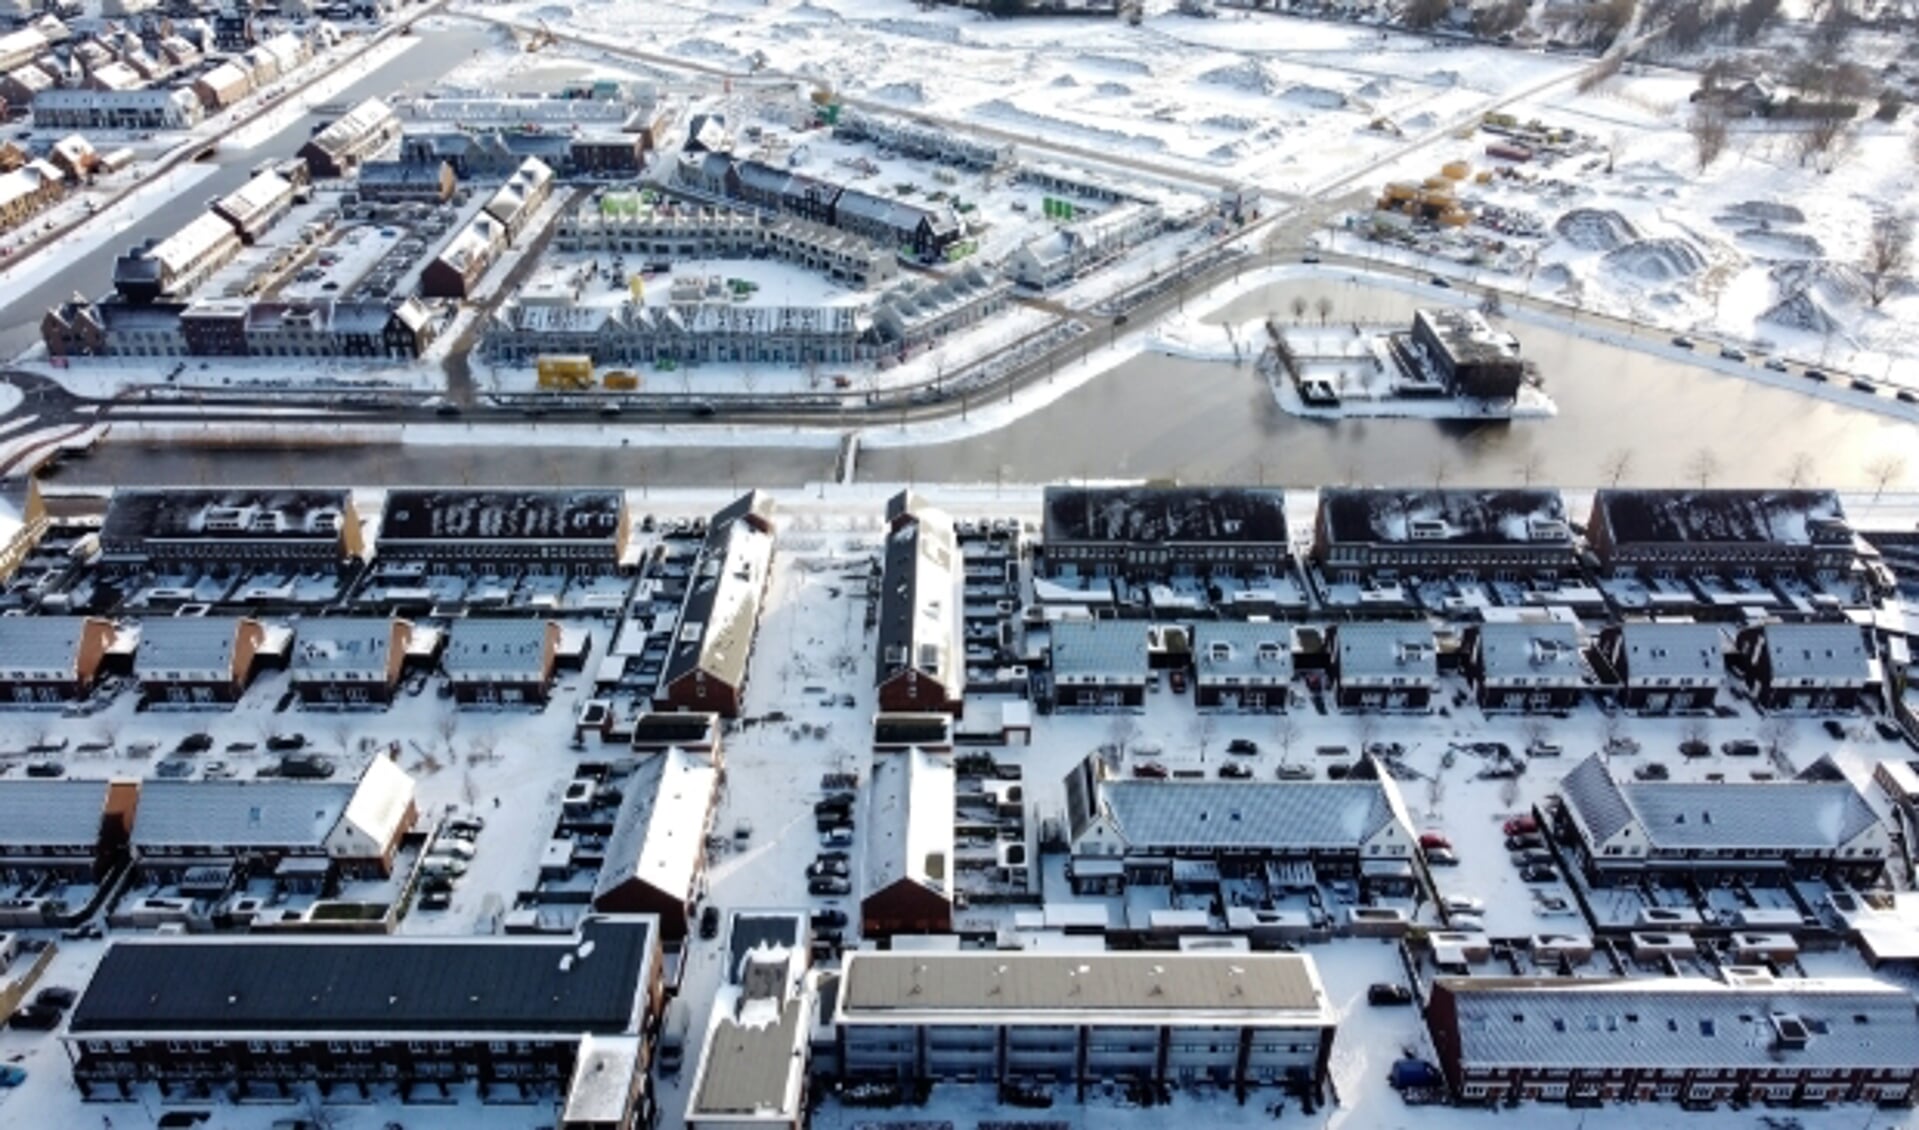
(1508, 792)
(1299, 307)
(342, 731)
(1708, 131)
(1696, 730)
(1536, 730)
(1799, 469)
(1203, 728)
(1888, 255)
(1778, 736)
(447, 725)
(1752, 17)
(1701, 466)
(1325, 308)
(1615, 146)
(1530, 465)
(1618, 461)
(1286, 733)
(1819, 137)
(1883, 470)
(1425, 13)
(1365, 728)
(1121, 732)
(1612, 727)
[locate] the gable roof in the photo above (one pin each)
(722, 605)
(1774, 816)
(1672, 1022)
(1533, 650)
(909, 833)
(1659, 649)
(1817, 651)
(186, 645)
(496, 649)
(51, 813)
(238, 814)
(1155, 815)
(1084, 648)
(1386, 650)
(1223, 648)
(920, 599)
(340, 645)
(39, 645)
(1594, 795)
(659, 836)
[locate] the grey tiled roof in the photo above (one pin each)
(37, 813)
(40, 644)
(1818, 651)
(1682, 1022)
(1533, 651)
(238, 814)
(335, 645)
(1151, 815)
(1376, 651)
(186, 644)
(1680, 815)
(1100, 647)
(1224, 648)
(1655, 650)
(483, 648)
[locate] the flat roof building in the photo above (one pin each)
(169, 529)
(571, 531)
(1152, 533)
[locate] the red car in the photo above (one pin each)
(1152, 770)
(1521, 825)
(1434, 840)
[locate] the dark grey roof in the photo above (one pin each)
(1681, 1022)
(1240, 648)
(674, 728)
(498, 515)
(1159, 515)
(564, 986)
(377, 173)
(41, 644)
(1783, 517)
(496, 649)
(333, 646)
(721, 610)
(897, 215)
(1594, 795)
(186, 644)
(1100, 648)
(37, 813)
(239, 514)
(1381, 516)
(753, 929)
(761, 177)
(1468, 337)
(920, 600)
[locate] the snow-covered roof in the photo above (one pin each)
(115, 76)
(1662, 649)
(187, 647)
(25, 181)
(1774, 816)
(920, 601)
(530, 179)
(753, 1064)
(1818, 651)
(722, 605)
(1780, 517)
(1533, 650)
(660, 833)
(225, 76)
(601, 1091)
(261, 195)
(1682, 1022)
(347, 646)
(1261, 990)
(1373, 516)
(473, 246)
(147, 98)
(1093, 649)
(1261, 815)
(38, 814)
(354, 126)
(1393, 650)
(33, 78)
(381, 803)
(181, 251)
(497, 650)
(1241, 649)
(238, 814)
(40, 647)
(240, 514)
(909, 831)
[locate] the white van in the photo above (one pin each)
(434, 865)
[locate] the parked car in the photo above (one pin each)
(1740, 747)
(1815, 374)
(196, 743)
(55, 996)
(173, 769)
(1440, 282)
(825, 868)
(1526, 857)
(1234, 771)
(1464, 904)
(1652, 771)
(46, 769)
(286, 743)
(1520, 826)
(1441, 857)
(306, 767)
(34, 1018)
(1539, 873)
(1151, 770)
(1775, 364)
(1245, 746)
(1732, 353)
(1682, 341)
(12, 1075)
(1835, 729)
(217, 771)
(1888, 729)
(1524, 841)
(1385, 993)
(439, 899)
(837, 838)
(1178, 681)
(1470, 923)
(830, 885)
(1692, 747)
(466, 824)
(1294, 772)
(1544, 749)
(709, 922)
(829, 919)
(1434, 840)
